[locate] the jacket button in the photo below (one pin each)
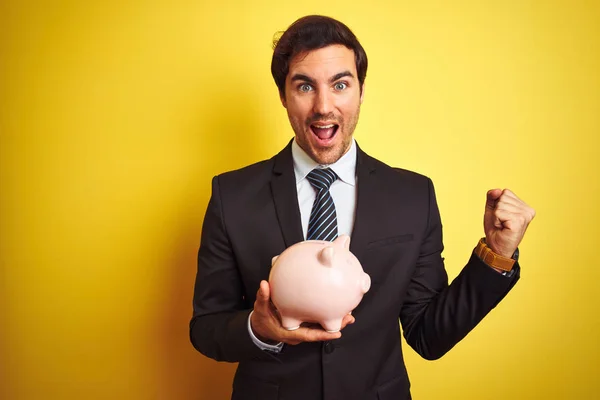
(328, 347)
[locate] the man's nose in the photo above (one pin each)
(324, 103)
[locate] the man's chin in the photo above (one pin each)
(326, 156)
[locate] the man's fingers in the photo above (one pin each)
(506, 201)
(507, 193)
(511, 220)
(263, 295)
(262, 303)
(311, 332)
(265, 290)
(510, 207)
(492, 197)
(305, 334)
(348, 320)
(511, 198)
(504, 196)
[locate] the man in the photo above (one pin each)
(392, 216)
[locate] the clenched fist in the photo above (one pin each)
(505, 221)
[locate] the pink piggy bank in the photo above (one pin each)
(317, 281)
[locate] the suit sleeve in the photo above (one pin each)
(218, 328)
(435, 315)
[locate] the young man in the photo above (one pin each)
(392, 217)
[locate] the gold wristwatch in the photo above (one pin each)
(495, 260)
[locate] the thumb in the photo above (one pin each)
(492, 197)
(264, 292)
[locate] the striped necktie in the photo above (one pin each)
(322, 224)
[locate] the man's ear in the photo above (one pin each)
(362, 93)
(282, 98)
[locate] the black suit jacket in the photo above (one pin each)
(253, 215)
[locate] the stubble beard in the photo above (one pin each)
(329, 155)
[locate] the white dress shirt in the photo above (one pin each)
(343, 192)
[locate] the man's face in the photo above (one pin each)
(323, 98)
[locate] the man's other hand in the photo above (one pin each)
(505, 221)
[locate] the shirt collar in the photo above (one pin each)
(345, 167)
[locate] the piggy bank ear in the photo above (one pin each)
(344, 240)
(326, 256)
(273, 260)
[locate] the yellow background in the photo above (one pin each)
(114, 115)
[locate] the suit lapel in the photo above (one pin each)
(283, 187)
(285, 197)
(366, 203)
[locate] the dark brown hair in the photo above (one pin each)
(310, 33)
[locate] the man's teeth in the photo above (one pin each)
(324, 126)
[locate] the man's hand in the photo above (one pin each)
(266, 324)
(505, 221)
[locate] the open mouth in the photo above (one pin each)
(324, 132)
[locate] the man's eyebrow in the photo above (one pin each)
(304, 78)
(340, 75)
(300, 77)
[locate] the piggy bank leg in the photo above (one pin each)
(333, 325)
(291, 324)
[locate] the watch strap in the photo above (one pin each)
(492, 259)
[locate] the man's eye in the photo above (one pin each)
(340, 86)
(305, 87)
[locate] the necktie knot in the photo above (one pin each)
(321, 178)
